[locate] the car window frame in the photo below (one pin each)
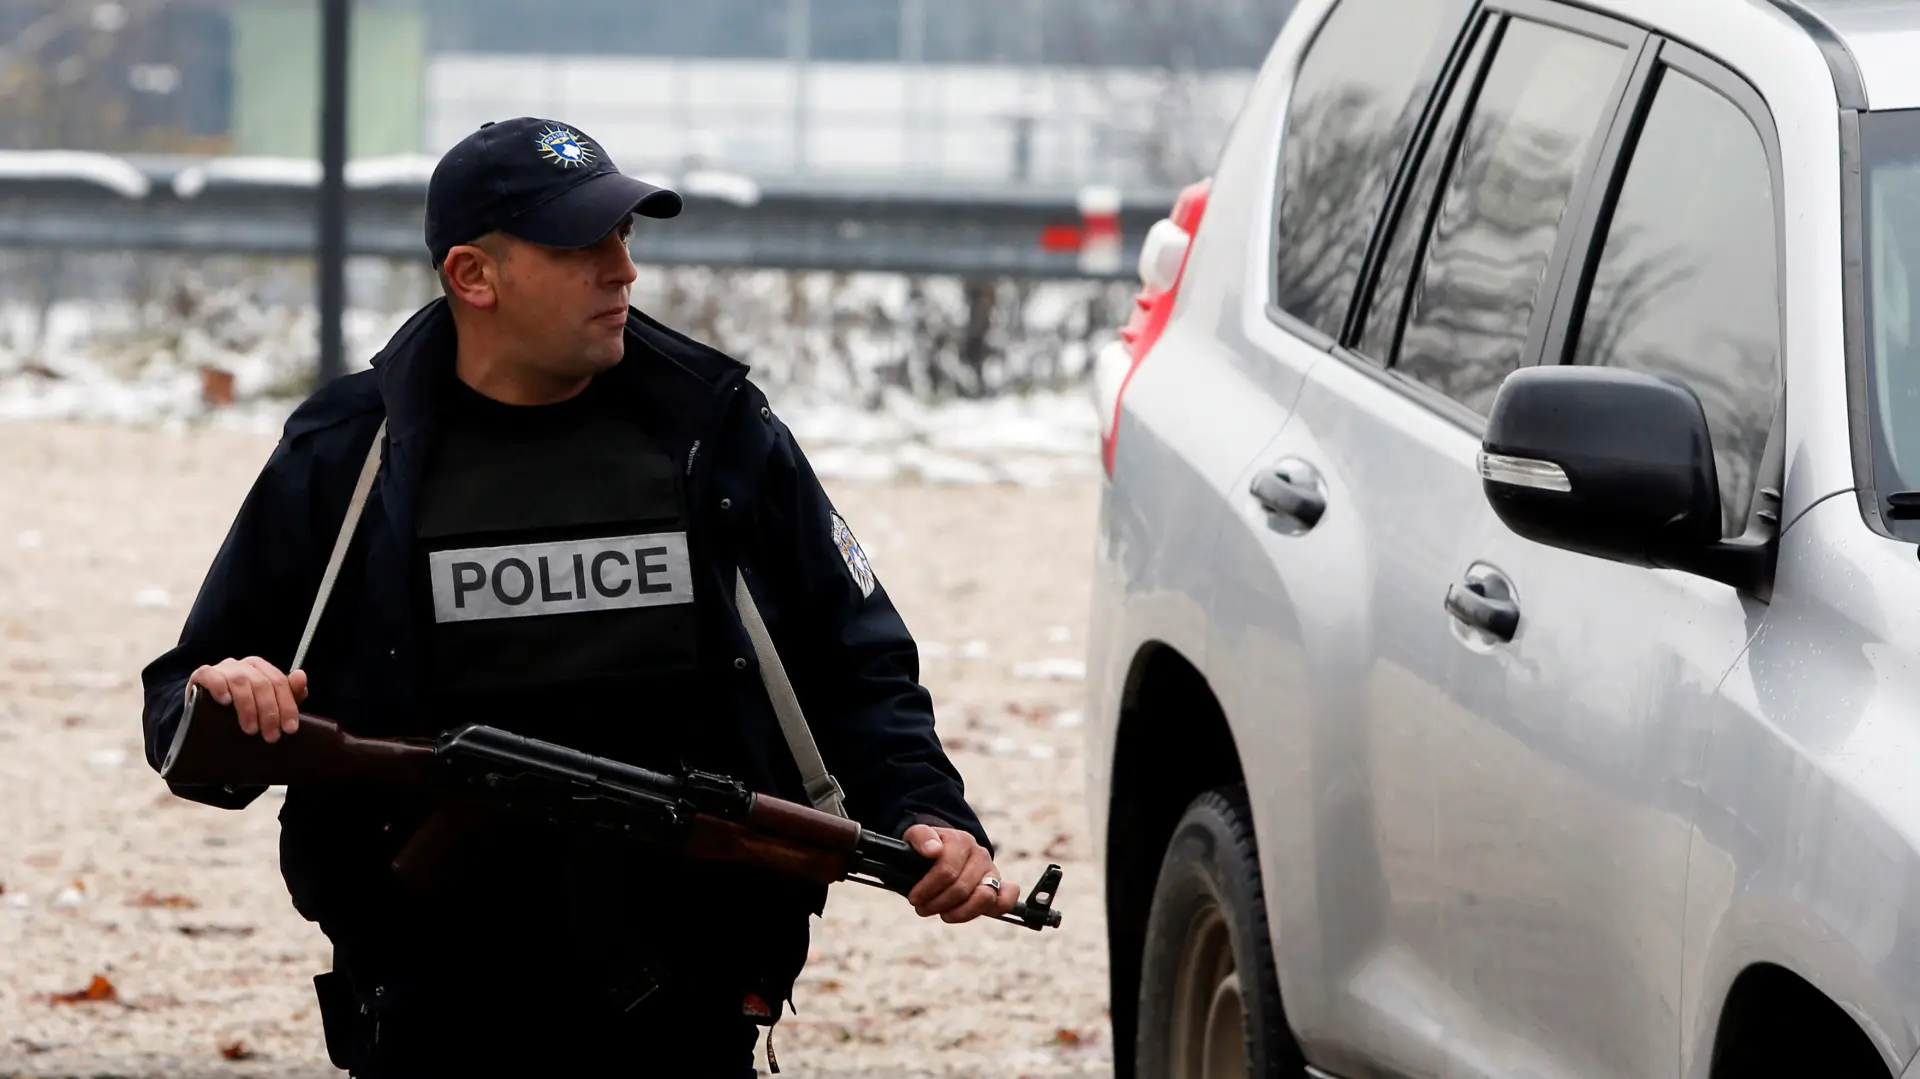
(1492, 17)
(1590, 234)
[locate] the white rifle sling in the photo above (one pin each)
(822, 789)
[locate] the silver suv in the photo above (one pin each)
(1507, 628)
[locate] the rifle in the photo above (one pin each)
(482, 769)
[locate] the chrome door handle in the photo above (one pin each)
(1484, 599)
(1291, 489)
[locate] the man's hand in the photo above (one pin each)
(953, 888)
(268, 702)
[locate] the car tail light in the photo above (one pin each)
(1163, 262)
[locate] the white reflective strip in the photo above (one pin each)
(524, 580)
(1524, 472)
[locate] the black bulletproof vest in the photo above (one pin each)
(558, 589)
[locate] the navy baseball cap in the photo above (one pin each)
(537, 180)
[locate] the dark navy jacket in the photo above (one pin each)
(753, 502)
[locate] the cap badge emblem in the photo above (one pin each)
(564, 148)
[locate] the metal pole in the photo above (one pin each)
(799, 51)
(913, 39)
(335, 19)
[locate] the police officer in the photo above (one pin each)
(565, 497)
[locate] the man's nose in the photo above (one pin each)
(619, 267)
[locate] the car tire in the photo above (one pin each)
(1209, 994)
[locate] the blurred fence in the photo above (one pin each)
(95, 202)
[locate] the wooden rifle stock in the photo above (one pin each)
(210, 749)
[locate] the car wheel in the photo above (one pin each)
(1209, 996)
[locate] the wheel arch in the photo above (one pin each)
(1771, 959)
(1172, 743)
(1770, 1013)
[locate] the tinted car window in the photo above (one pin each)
(1687, 282)
(1890, 238)
(1381, 329)
(1538, 111)
(1356, 99)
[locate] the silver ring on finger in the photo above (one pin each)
(991, 882)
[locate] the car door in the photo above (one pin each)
(1566, 808)
(1287, 642)
(1334, 627)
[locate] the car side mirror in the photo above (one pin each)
(1606, 462)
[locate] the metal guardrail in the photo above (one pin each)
(92, 202)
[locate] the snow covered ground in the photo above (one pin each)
(882, 377)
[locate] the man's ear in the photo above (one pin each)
(472, 276)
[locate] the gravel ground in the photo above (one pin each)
(178, 909)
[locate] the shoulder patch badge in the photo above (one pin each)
(856, 559)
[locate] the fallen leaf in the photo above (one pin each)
(236, 1051)
(1066, 1036)
(911, 1011)
(99, 989)
(830, 986)
(3, 888)
(72, 721)
(149, 899)
(1057, 851)
(215, 930)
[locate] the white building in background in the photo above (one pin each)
(1047, 92)
(942, 123)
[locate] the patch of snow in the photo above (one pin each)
(844, 463)
(975, 649)
(865, 369)
(115, 174)
(29, 539)
(716, 184)
(396, 170)
(262, 171)
(107, 759)
(153, 597)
